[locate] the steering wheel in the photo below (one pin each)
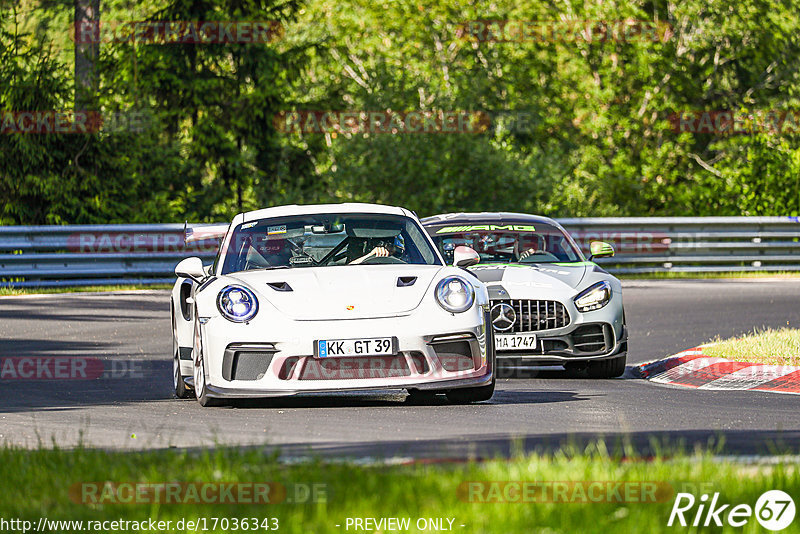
(539, 255)
(382, 260)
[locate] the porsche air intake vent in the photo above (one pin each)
(247, 361)
(528, 315)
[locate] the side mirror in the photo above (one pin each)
(465, 257)
(191, 268)
(600, 249)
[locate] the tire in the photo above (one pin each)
(206, 401)
(200, 389)
(421, 397)
(480, 393)
(201, 392)
(470, 395)
(180, 389)
(610, 368)
(575, 369)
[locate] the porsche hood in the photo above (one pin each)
(341, 293)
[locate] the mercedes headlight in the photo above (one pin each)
(593, 297)
(237, 304)
(455, 294)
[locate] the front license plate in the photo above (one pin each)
(514, 341)
(368, 346)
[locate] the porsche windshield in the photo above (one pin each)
(327, 240)
(508, 243)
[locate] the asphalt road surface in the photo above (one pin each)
(130, 406)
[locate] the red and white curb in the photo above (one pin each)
(691, 368)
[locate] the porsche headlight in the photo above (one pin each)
(455, 294)
(594, 297)
(237, 304)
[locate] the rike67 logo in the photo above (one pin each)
(774, 510)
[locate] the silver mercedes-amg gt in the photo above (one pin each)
(550, 305)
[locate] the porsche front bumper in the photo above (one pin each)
(257, 360)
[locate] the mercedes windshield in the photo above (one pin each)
(508, 243)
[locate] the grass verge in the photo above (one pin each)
(772, 347)
(671, 275)
(15, 291)
(38, 484)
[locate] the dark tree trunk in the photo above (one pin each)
(87, 47)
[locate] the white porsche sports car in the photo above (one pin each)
(329, 298)
(550, 306)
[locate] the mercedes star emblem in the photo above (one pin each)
(503, 317)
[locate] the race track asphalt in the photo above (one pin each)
(131, 407)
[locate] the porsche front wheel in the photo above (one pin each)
(200, 387)
(180, 389)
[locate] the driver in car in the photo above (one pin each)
(528, 246)
(275, 252)
(385, 250)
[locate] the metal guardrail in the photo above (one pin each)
(84, 255)
(693, 244)
(80, 255)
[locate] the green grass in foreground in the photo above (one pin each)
(13, 291)
(37, 483)
(774, 347)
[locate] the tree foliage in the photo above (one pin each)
(578, 126)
